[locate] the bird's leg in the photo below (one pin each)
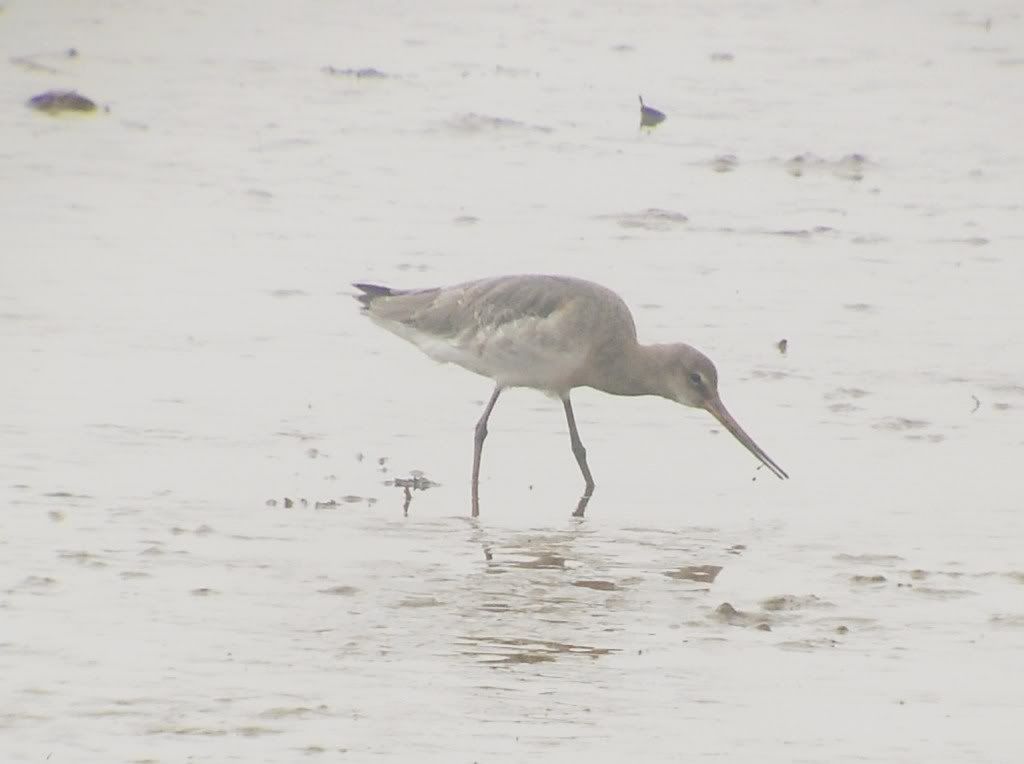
(478, 446)
(581, 456)
(581, 506)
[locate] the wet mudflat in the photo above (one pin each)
(207, 550)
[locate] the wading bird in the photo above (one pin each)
(551, 333)
(649, 116)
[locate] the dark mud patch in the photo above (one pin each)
(597, 584)
(288, 502)
(651, 219)
(849, 167)
(868, 558)
(705, 574)
(513, 650)
(341, 590)
(479, 124)
(790, 602)
(362, 73)
(724, 163)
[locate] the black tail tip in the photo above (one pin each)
(371, 292)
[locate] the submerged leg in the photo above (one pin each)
(478, 445)
(581, 456)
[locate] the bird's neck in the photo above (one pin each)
(634, 370)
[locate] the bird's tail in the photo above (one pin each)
(371, 292)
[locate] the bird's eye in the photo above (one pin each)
(696, 380)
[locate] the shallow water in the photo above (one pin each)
(204, 555)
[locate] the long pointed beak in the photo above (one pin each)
(717, 409)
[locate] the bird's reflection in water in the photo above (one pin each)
(522, 605)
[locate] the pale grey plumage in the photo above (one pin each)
(535, 331)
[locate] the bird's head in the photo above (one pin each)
(692, 380)
(691, 376)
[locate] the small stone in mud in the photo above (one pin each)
(726, 611)
(878, 578)
(288, 503)
(842, 630)
(763, 627)
(783, 346)
(271, 502)
(60, 101)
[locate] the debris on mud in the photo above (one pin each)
(60, 102)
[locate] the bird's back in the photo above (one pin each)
(532, 330)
